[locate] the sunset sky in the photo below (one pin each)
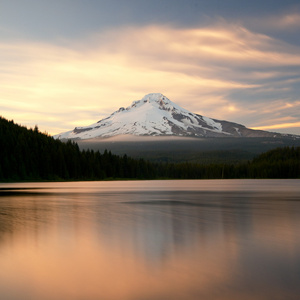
(67, 63)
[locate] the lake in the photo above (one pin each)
(148, 240)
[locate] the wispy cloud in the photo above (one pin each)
(287, 21)
(200, 69)
(278, 126)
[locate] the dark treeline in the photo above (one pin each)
(278, 163)
(27, 154)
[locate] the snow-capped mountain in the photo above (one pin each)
(156, 115)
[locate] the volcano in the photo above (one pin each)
(156, 115)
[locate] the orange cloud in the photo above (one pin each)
(278, 126)
(56, 86)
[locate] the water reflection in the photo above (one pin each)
(105, 242)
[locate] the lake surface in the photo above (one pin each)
(148, 240)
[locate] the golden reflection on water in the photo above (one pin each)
(108, 244)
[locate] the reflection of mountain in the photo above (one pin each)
(163, 224)
(153, 224)
(102, 244)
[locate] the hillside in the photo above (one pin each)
(27, 154)
(185, 149)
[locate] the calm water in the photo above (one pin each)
(230, 239)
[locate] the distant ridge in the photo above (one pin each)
(156, 115)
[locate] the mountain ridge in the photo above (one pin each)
(156, 115)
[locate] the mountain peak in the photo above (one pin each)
(155, 97)
(156, 115)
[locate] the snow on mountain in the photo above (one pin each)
(156, 115)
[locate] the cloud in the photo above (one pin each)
(278, 126)
(222, 71)
(280, 115)
(288, 21)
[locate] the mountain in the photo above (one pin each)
(156, 115)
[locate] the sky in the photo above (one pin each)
(67, 63)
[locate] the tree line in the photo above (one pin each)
(29, 155)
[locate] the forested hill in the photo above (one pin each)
(278, 163)
(27, 154)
